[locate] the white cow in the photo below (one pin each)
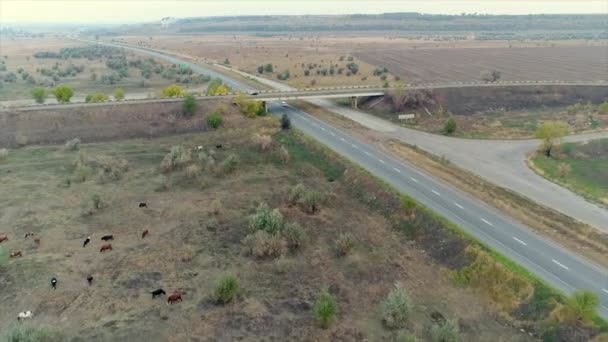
(25, 315)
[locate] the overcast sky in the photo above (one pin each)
(124, 11)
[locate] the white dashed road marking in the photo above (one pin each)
(435, 192)
(518, 240)
(367, 153)
(342, 139)
(605, 290)
(557, 262)
(458, 205)
(414, 179)
(396, 169)
(354, 146)
(332, 134)
(305, 119)
(487, 222)
(323, 129)
(314, 124)
(382, 161)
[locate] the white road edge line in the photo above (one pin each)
(435, 192)
(561, 265)
(518, 240)
(414, 179)
(396, 169)
(458, 205)
(488, 222)
(382, 161)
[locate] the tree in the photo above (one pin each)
(325, 309)
(96, 97)
(283, 75)
(39, 94)
(119, 94)
(550, 133)
(490, 76)
(285, 122)
(217, 87)
(584, 304)
(226, 61)
(260, 69)
(189, 105)
(268, 68)
(63, 93)
(449, 127)
(399, 96)
(215, 120)
(172, 91)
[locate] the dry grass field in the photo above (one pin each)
(198, 217)
(17, 53)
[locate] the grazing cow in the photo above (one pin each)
(27, 235)
(90, 279)
(37, 240)
(3, 238)
(106, 247)
(15, 254)
(143, 205)
(145, 233)
(199, 148)
(86, 241)
(25, 315)
(159, 292)
(107, 237)
(174, 298)
(54, 283)
(218, 146)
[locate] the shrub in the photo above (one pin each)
(603, 107)
(294, 235)
(406, 337)
(3, 154)
(296, 193)
(230, 164)
(39, 94)
(177, 157)
(283, 75)
(24, 332)
(446, 332)
(162, 183)
(21, 140)
(396, 307)
(189, 105)
(325, 309)
(266, 219)
(449, 127)
(109, 168)
(563, 169)
(490, 76)
(262, 244)
(344, 244)
(172, 91)
(192, 171)
(119, 94)
(285, 122)
(96, 97)
(283, 154)
(581, 306)
(263, 141)
(226, 288)
(72, 145)
(268, 68)
(63, 93)
(214, 120)
(310, 201)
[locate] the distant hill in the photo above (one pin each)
(565, 26)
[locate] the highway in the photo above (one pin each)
(550, 262)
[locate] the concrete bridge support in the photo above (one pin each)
(265, 106)
(353, 102)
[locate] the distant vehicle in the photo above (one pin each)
(253, 93)
(284, 104)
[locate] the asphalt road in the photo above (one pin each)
(550, 262)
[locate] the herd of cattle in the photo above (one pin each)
(174, 298)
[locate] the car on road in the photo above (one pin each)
(284, 104)
(253, 93)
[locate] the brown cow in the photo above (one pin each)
(107, 247)
(145, 233)
(174, 298)
(15, 254)
(3, 238)
(37, 240)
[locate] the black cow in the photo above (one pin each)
(143, 205)
(159, 292)
(54, 283)
(86, 241)
(90, 279)
(107, 237)
(218, 146)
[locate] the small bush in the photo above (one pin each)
(344, 244)
(263, 245)
(97, 202)
(119, 94)
(230, 164)
(563, 169)
(310, 201)
(82, 173)
(603, 107)
(406, 337)
(449, 127)
(21, 140)
(226, 288)
(325, 309)
(3, 154)
(215, 207)
(266, 219)
(296, 193)
(283, 154)
(189, 105)
(294, 235)
(24, 332)
(263, 141)
(177, 157)
(162, 183)
(285, 122)
(396, 307)
(72, 145)
(214, 120)
(446, 332)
